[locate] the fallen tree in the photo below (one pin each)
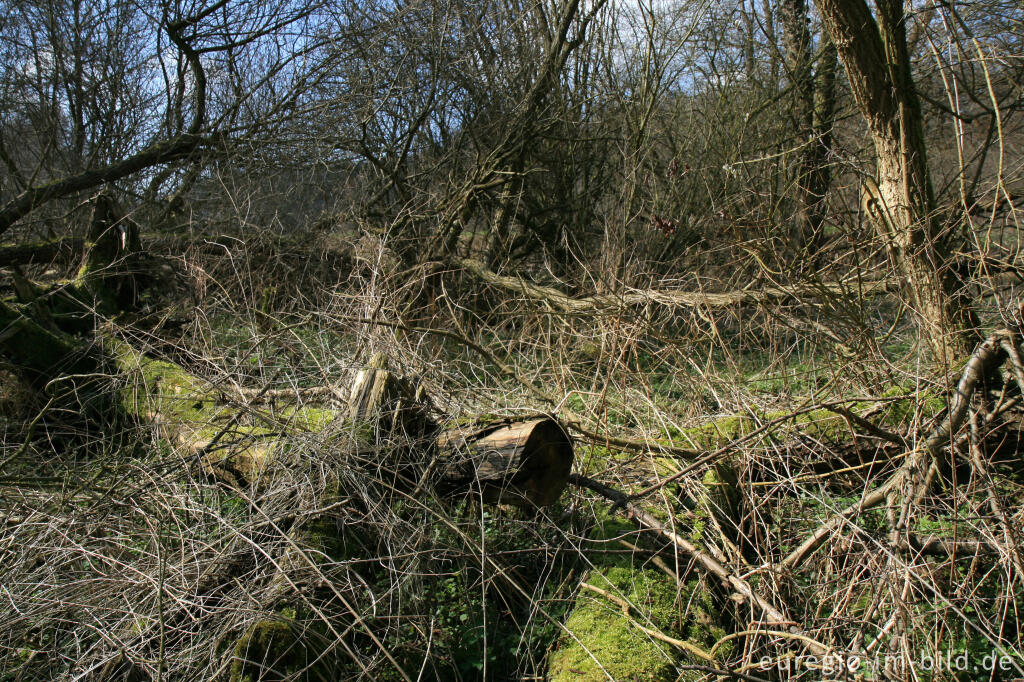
(672, 298)
(384, 427)
(42, 253)
(524, 461)
(244, 443)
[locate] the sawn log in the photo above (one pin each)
(522, 461)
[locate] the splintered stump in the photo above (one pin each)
(526, 463)
(111, 270)
(388, 402)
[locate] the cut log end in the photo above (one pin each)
(525, 463)
(547, 457)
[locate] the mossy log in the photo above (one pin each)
(42, 253)
(603, 641)
(43, 351)
(524, 461)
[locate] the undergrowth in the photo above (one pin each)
(122, 556)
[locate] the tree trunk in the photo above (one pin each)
(901, 204)
(799, 66)
(813, 103)
(824, 120)
(111, 267)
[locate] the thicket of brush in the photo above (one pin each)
(760, 261)
(123, 558)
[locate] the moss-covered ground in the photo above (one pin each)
(602, 642)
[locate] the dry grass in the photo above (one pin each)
(118, 557)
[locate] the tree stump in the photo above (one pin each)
(110, 268)
(388, 402)
(524, 462)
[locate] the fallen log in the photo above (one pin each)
(524, 461)
(521, 462)
(671, 298)
(42, 253)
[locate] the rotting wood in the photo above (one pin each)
(43, 253)
(390, 402)
(524, 461)
(110, 269)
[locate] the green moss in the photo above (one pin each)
(193, 413)
(721, 497)
(308, 418)
(912, 399)
(159, 387)
(270, 649)
(821, 424)
(718, 432)
(604, 642)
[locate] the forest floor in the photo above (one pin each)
(766, 491)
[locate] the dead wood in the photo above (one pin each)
(523, 462)
(913, 470)
(44, 253)
(671, 298)
(933, 545)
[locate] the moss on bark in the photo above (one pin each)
(271, 649)
(45, 352)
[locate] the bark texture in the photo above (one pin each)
(525, 463)
(813, 99)
(901, 203)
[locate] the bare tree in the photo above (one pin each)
(873, 48)
(813, 82)
(87, 78)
